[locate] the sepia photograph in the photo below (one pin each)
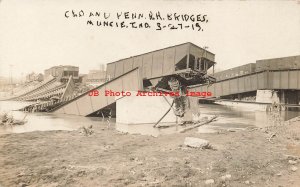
(160, 93)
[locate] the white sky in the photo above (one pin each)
(35, 35)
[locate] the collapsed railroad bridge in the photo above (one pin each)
(186, 63)
(266, 81)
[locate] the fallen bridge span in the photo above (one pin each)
(85, 104)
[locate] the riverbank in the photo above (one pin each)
(251, 157)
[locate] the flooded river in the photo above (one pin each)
(43, 121)
(228, 118)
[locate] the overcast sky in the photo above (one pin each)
(35, 35)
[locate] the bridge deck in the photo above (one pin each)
(84, 104)
(263, 80)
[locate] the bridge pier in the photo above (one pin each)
(267, 96)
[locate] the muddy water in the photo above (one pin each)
(228, 118)
(235, 117)
(43, 121)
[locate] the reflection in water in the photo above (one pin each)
(228, 118)
(235, 117)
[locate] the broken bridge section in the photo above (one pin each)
(85, 104)
(187, 62)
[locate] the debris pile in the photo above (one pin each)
(5, 119)
(87, 131)
(181, 107)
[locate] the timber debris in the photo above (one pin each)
(198, 124)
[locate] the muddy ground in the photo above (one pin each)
(110, 158)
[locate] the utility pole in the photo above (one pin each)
(10, 74)
(205, 64)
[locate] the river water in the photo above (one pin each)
(228, 118)
(42, 121)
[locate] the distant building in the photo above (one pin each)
(63, 72)
(34, 77)
(82, 78)
(95, 77)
